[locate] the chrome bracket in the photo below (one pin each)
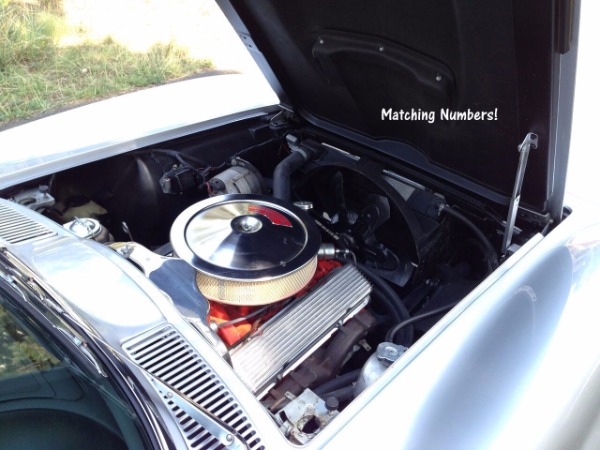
(530, 142)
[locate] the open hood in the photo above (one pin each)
(450, 88)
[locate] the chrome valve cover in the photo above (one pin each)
(293, 334)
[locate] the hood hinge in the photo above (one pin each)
(530, 142)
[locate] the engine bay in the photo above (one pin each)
(309, 263)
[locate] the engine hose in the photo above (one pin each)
(392, 299)
(387, 303)
(492, 256)
(337, 383)
(342, 394)
(391, 334)
(281, 177)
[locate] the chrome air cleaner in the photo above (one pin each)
(247, 249)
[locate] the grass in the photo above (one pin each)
(39, 75)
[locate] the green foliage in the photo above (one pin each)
(37, 75)
(19, 353)
(25, 36)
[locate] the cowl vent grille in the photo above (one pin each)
(16, 227)
(170, 358)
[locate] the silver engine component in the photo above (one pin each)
(35, 199)
(247, 249)
(88, 228)
(306, 415)
(295, 332)
(241, 178)
(377, 363)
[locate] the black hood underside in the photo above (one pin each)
(451, 88)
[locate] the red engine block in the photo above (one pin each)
(221, 314)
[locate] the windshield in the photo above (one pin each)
(47, 400)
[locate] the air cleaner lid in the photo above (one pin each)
(245, 237)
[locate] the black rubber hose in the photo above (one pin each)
(283, 172)
(491, 251)
(391, 334)
(393, 298)
(387, 303)
(337, 383)
(342, 394)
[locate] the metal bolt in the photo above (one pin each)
(321, 41)
(332, 404)
(304, 205)
(438, 77)
(381, 48)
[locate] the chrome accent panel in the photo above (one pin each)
(16, 227)
(177, 279)
(97, 287)
(514, 365)
(289, 337)
(165, 354)
(89, 280)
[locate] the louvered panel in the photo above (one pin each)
(165, 354)
(16, 227)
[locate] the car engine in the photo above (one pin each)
(308, 263)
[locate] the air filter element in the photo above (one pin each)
(247, 249)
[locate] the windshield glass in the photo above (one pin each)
(47, 401)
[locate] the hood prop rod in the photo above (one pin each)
(530, 142)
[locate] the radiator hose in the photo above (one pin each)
(302, 152)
